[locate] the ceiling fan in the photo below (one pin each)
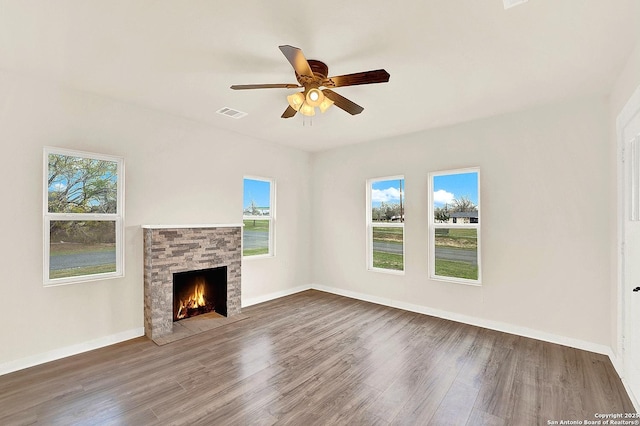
(312, 76)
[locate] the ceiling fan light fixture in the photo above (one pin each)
(307, 110)
(296, 100)
(325, 104)
(306, 104)
(315, 97)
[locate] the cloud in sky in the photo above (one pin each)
(58, 186)
(443, 197)
(385, 195)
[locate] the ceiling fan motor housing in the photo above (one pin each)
(320, 72)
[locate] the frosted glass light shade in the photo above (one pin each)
(325, 104)
(307, 109)
(315, 97)
(296, 100)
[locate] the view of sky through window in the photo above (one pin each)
(257, 192)
(447, 188)
(81, 185)
(386, 191)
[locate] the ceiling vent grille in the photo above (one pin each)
(230, 112)
(511, 3)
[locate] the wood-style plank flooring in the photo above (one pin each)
(319, 359)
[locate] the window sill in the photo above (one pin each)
(81, 279)
(462, 281)
(258, 256)
(386, 271)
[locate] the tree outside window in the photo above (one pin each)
(83, 217)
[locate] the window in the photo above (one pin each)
(385, 224)
(83, 216)
(258, 217)
(454, 225)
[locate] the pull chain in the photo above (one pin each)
(310, 121)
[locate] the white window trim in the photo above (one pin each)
(370, 224)
(433, 226)
(117, 217)
(271, 218)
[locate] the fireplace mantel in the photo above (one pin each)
(205, 225)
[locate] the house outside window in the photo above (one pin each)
(258, 217)
(385, 224)
(454, 226)
(83, 216)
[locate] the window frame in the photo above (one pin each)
(433, 226)
(271, 217)
(117, 218)
(370, 225)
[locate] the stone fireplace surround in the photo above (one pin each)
(178, 248)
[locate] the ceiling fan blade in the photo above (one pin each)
(366, 77)
(343, 103)
(264, 86)
(297, 60)
(288, 113)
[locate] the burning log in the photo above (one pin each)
(194, 303)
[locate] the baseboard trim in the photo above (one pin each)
(619, 367)
(478, 322)
(276, 295)
(632, 397)
(20, 364)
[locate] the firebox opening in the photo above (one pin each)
(199, 292)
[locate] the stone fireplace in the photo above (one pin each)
(182, 251)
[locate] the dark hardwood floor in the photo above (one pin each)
(319, 359)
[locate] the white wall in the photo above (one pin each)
(547, 206)
(177, 172)
(627, 82)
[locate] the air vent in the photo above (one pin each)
(233, 113)
(511, 3)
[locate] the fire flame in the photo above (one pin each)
(194, 300)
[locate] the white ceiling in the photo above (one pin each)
(450, 60)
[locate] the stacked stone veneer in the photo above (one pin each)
(171, 250)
